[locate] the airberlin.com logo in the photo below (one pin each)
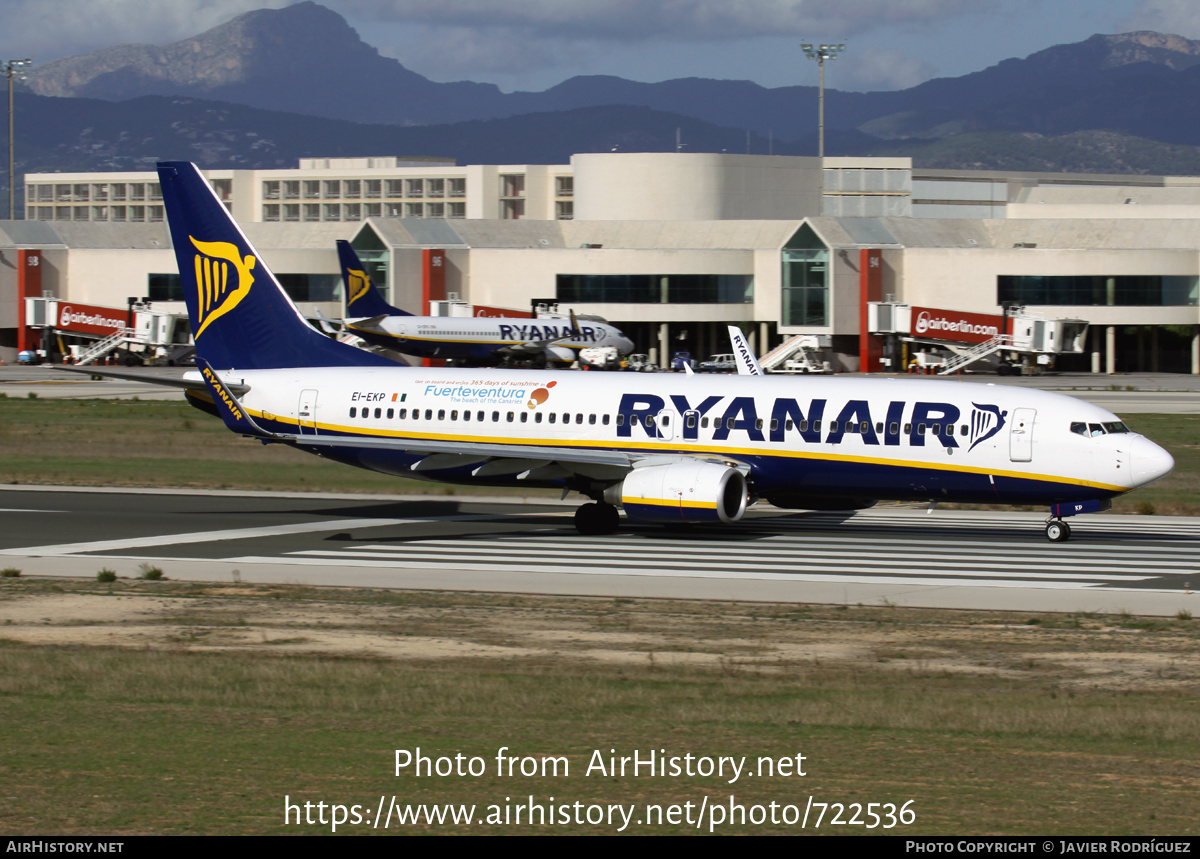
(927, 322)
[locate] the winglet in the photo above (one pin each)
(746, 362)
(575, 332)
(231, 411)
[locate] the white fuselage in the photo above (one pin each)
(871, 438)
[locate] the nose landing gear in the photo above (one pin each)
(1057, 531)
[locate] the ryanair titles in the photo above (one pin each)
(543, 331)
(814, 420)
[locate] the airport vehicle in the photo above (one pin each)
(478, 341)
(665, 448)
(723, 363)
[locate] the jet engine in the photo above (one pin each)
(681, 492)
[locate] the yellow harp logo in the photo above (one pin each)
(217, 292)
(358, 283)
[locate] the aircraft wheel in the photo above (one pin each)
(1058, 532)
(593, 519)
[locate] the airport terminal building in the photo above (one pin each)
(670, 247)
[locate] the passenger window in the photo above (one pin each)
(758, 424)
(579, 418)
(429, 414)
(894, 429)
(691, 422)
(454, 415)
(633, 420)
(816, 426)
(604, 419)
(591, 420)
(510, 417)
(553, 416)
(962, 430)
(788, 424)
(479, 415)
(908, 429)
(774, 424)
(920, 429)
(441, 414)
(524, 417)
(495, 417)
(403, 414)
(731, 423)
(879, 427)
(865, 427)
(833, 426)
(620, 420)
(389, 414)
(537, 417)
(467, 415)
(665, 420)
(649, 420)
(935, 429)
(704, 423)
(353, 411)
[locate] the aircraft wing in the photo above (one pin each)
(370, 323)
(150, 379)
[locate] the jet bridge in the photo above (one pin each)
(1020, 341)
(97, 332)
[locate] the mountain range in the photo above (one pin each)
(272, 86)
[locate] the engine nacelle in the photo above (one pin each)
(681, 492)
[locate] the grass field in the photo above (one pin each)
(157, 707)
(170, 444)
(178, 708)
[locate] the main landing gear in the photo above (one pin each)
(597, 518)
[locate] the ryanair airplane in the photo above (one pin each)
(465, 340)
(664, 448)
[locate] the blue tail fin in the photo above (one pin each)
(241, 317)
(362, 298)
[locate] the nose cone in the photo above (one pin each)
(1148, 462)
(624, 345)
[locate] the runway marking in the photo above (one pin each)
(236, 534)
(28, 510)
(896, 548)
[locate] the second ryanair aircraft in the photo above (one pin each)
(468, 340)
(664, 448)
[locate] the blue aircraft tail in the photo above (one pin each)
(362, 298)
(241, 317)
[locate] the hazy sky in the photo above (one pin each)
(534, 44)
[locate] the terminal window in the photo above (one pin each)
(1147, 290)
(805, 292)
(656, 288)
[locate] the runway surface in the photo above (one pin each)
(888, 555)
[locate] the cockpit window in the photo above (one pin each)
(1095, 430)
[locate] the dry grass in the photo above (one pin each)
(170, 707)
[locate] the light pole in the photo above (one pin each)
(821, 53)
(12, 67)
